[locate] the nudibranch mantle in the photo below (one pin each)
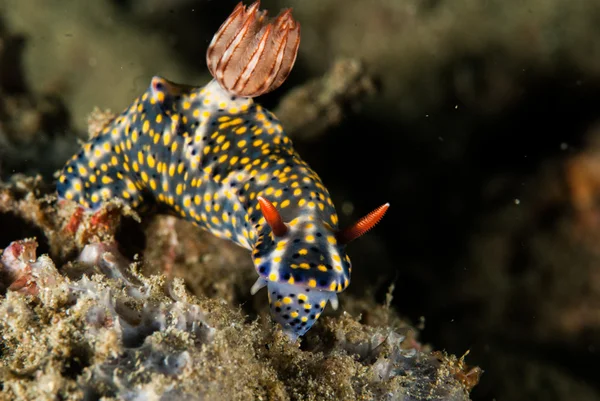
(225, 163)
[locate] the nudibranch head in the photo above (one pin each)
(304, 264)
(250, 55)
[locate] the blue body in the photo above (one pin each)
(205, 155)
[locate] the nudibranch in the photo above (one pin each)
(212, 156)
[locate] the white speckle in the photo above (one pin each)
(564, 146)
(347, 208)
(517, 201)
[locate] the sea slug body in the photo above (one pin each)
(212, 156)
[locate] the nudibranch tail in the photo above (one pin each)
(116, 162)
(250, 56)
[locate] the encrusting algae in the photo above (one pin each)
(87, 324)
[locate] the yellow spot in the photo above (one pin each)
(287, 300)
(82, 171)
(332, 286)
(294, 314)
(322, 268)
(95, 198)
(303, 251)
(105, 179)
(146, 126)
(150, 160)
(273, 277)
(77, 186)
(92, 179)
(166, 138)
(312, 283)
(331, 239)
(241, 143)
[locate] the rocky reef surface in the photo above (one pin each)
(88, 323)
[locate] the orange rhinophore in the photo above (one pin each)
(249, 55)
(362, 226)
(272, 217)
